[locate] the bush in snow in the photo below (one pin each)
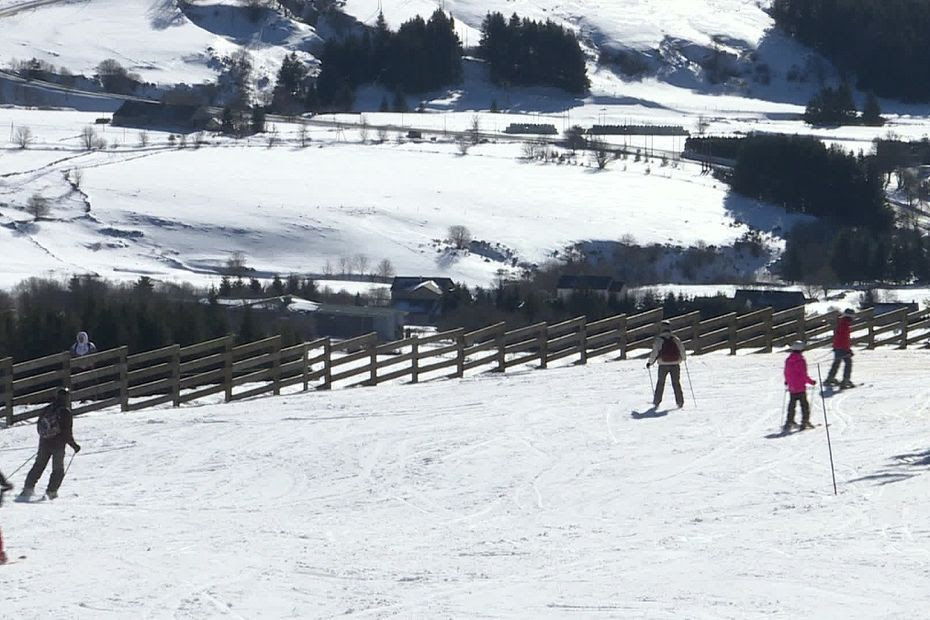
(38, 206)
(23, 137)
(460, 236)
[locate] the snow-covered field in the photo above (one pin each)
(544, 494)
(180, 214)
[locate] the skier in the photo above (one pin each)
(796, 381)
(82, 345)
(670, 353)
(54, 427)
(842, 350)
(4, 487)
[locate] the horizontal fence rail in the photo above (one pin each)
(225, 370)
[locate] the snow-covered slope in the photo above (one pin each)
(164, 41)
(542, 495)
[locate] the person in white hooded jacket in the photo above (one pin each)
(82, 345)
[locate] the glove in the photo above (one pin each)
(6, 486)
(77, 448)
(648, 365)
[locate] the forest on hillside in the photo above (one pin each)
(884, 44)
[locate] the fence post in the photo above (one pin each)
(696, 335)
(543, 342)
(276, 366)
(176, 376)
(123, 379)
(306, 366)
(6, 374)
(460, 354)
(227, 368)
(801, 328)
(583, 340)
(66, 371)
(415, 361)
(373, 361)
(621, 331)
(903, 344)
(731, 333)
(327, 365)
(769, 328)
(501, 349)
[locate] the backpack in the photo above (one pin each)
(49, 424)
(669, 351)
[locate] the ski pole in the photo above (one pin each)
(73, 454)
(784, 400)
(652, 385)
(23, 465)
(690, 385)
(826, 424)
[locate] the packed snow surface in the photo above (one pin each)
(542, 494)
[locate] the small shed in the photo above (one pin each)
(756, 299)
(420, 297)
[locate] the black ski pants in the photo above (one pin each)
(48, 451)
(673, 371)
(800, 397)
(841, 355)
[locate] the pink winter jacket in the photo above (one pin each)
(796, 373)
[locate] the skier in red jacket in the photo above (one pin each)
(842, 350)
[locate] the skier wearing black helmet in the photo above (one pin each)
(55, 432)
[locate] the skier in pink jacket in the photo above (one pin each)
(797, 380)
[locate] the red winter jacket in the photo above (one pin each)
(841, 336)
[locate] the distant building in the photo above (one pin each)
(162, 116)
(420, 297)
(604, 287)
(880, 308)
(536, 129)
(756, 299)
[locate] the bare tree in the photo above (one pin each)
(236, 264)
(328, 268)
(182, 141)
(600, 153)
(143, 139)
(474, 131)
(702, 124)
(272, 137)
(345, 265)
(530, 150)
(303, 136)
(77, 177)
(460, 236)
(199, 139)
(89, 139)
(23, 137)
(362, 262)
(463, 144)
(363, 129)
(38, 206)
(382, 135)
(385, 269)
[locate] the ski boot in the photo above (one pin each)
(26, 494)
(51, 494)
(787, 427)
(806, 424)
(831, 382)
(845, 385)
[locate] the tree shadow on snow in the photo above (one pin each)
(902, 468)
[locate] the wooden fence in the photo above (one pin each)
(217, 367)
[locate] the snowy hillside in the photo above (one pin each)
(180, 214)
(164, 41)
(543, 494)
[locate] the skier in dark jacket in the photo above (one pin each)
(670, 353)
(55, 432)
(842, 350)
